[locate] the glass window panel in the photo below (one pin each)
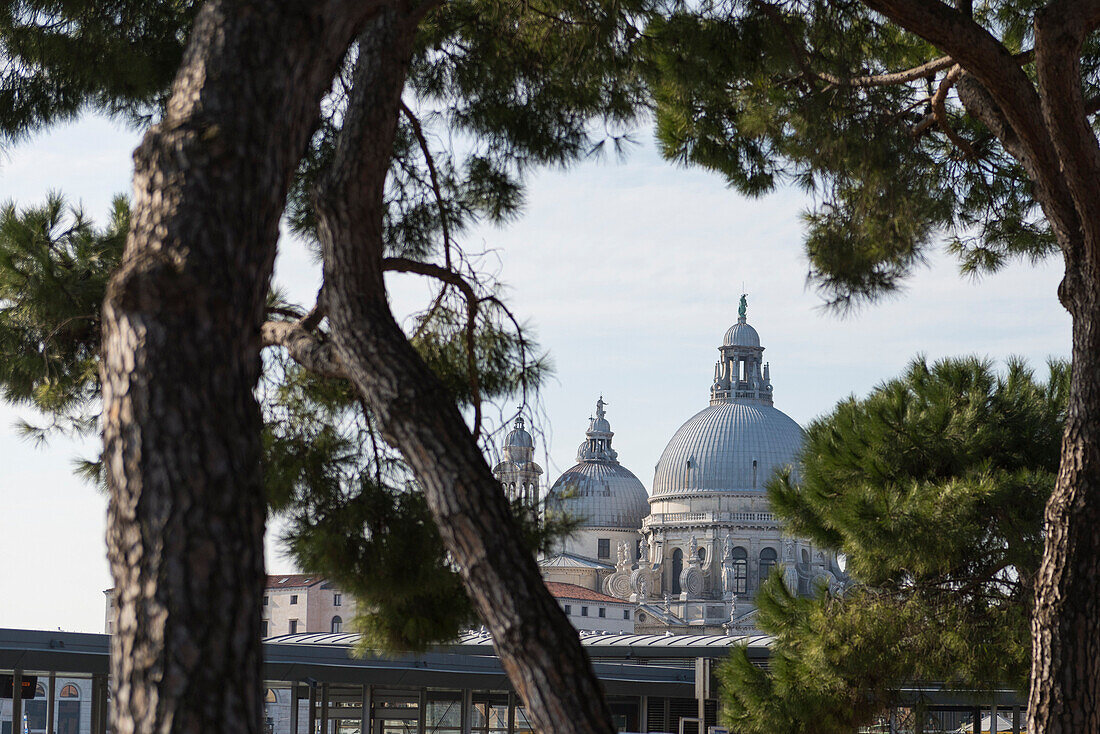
(36, 715)
(523, 726)
(477, 716)
(444, 713)
(68, 717)
(498, 717)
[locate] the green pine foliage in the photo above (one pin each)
(61, 58)
(54, 265)
(933, 488)
(761, 93)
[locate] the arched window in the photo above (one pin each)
(702, 553)
(70, 691)
(40, 691)
(740, 570)
(677, 567)
(337, 624)
(270, 696)
(805, 556)
(768, 558)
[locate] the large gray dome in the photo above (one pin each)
(740, 440)
(599, 490)
(715, 450)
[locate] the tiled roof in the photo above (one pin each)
(572, 591)
(293, 581)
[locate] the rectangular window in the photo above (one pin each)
(568, 609)
(336, 599)
(36, 715)
(293, 626)
(626, 614)
(263, 628)
(68, 717)
(603, 547)
(266, 601)
(584, 611)
(293, 598)
(603, 612)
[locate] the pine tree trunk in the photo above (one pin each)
(537, 645)
(181, 347)
(1065, 669)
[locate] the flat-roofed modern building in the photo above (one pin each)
(314, 683)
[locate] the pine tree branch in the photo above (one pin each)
(939, 112)
(422, 141)
(304, 347)
(448, 276)
(538, 647)
(1013, 96)
(892, 78)
(317, 313)
(436, 303)
(1060, 32)
(872, 80)
(431, 270)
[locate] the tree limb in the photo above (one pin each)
(1060, 32)
(939, 112)
(418, 131)
(538, 647)
(405, 265)
(317, 313)
(897, 77)
(1008, 89)
(304, 347)
(446, 275)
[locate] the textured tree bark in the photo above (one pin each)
(537, 645)
(181, 345)
(1065, 626)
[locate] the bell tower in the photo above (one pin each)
(517, 472)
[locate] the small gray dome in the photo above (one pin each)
(598, 489)
(519, 445)
(715, 450)
(601, 494)
(519, 436)
(741, 335)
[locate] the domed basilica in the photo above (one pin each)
(691, 554)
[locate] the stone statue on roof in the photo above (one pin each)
(743, 308)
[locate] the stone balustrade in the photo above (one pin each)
(690, 518)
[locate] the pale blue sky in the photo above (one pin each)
(630, 272)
